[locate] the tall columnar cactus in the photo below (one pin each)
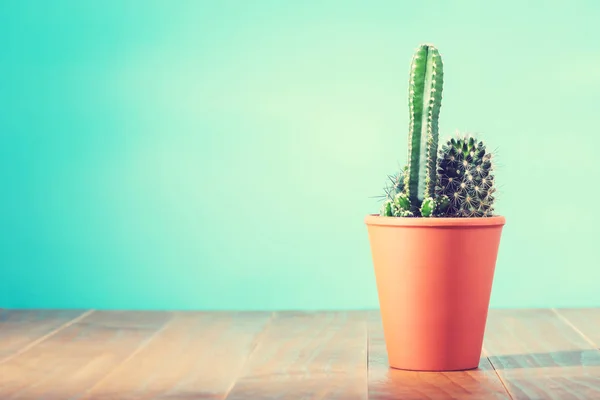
(425, 100)
(465, 176)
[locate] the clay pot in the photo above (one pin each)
(434, 279)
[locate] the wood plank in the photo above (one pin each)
(197, 356)
(308, 356)
(69, 362)
(584, 320)
(390, 383)
(539, 356)
(22, 329)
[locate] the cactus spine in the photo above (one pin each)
(425, 100)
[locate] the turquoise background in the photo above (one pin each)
(222, 155)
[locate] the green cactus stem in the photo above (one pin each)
(425, 99)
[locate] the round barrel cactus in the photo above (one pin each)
(466, 177)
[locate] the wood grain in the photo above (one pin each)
(308, 356)
(69, 362)
(388, 383)
(539, 356)
(584, 320)
(21, 329)
(101, 355)
(197, 356)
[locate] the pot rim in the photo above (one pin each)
(376, 219)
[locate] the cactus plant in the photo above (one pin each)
(466, 177)
(456, 182)
(424, 100)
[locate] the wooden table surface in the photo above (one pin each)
(94, 354)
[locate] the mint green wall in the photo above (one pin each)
(221, 155)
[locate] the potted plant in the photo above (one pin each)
(435, 241)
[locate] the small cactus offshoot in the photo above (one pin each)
(399, 206)
(428, 207)
(396, 184)
(466, 177)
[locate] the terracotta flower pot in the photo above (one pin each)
(434, 280)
